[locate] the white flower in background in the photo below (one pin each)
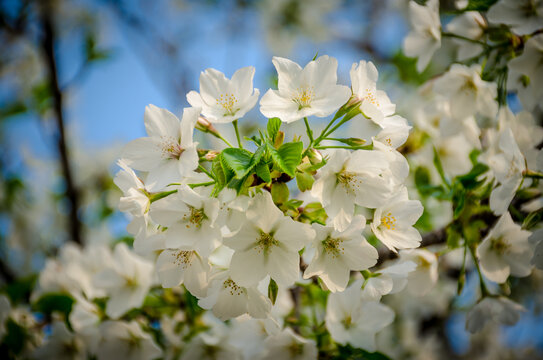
(468, 93)
(228, 299)
(187, 267)
(127, 281)
(168, 153)
(526, 73)
(190, 218)
(361, 177)
(507, 166)
(505, 251)
(288, 345)
(526, 131)
(425, 36)
(312, 90)
(248, 334)
(425, 276)
(339, 253)
(351, 320)
(205, 347)
(398, 165)
(85, 318)
(536, 239)
(62, 344)
(374, 103)
(135, 200)
(471, 25)
(232, 211)
(453, 151)
(389, 280)
(267, 244)
(391, 131)
(223, 100)
(122, 340)
(524, 16)
(498, 310)
(393, 222)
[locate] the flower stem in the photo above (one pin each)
(235, 123)
(460, 37)
(484, 290)
(192, 186)
(343, 147)
(309, 131)
(204, 170)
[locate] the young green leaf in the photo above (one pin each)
(238, 160)
(263, 171)
(273, 289)
(273, 127)
(287, 157)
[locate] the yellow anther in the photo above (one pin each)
(228, 102)
(389, 221)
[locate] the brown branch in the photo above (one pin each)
(71, 193)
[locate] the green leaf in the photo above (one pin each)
(314, 212)
(273, 289)
(273, 127)
(469, 180)
(13, 342)
(220, 176)
(287, 157)
(532, 219)
(479, 5)
(263, 171)
(304, 180)
(51, 302)
(458, 200)
(19, 291)
(439, 168)
(453, 237)
(237, 160)
(279, 192)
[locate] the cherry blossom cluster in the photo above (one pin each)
(221, 222)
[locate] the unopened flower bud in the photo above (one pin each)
(315, 157)
(204, 125)
(211, 155)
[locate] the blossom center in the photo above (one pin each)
(333, 246)
(233, 288)
(295, 349)
(228, 103)
(304, 96)
(349, 180)
(499, 245)
(347, 322)
(371, 97)
(171, 149)
(388, 221)
(183, 258)
(265, 242)
(195, 218)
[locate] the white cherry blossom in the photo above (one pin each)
(393, 222)
(288, 345)
(168, 153)
(498, 310)
(505, 251)
(349, 319)
(361, 177)
(127, 281)
(339, 253)
(468, 93)
(425, 36)
(227, 299)
(424, 277)
(127, 341)
(507, 165)
(187, 267)
(312, 90)
(524, 16)
(224, 100)
(267, 244)
(374, 103)
(190, 218)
